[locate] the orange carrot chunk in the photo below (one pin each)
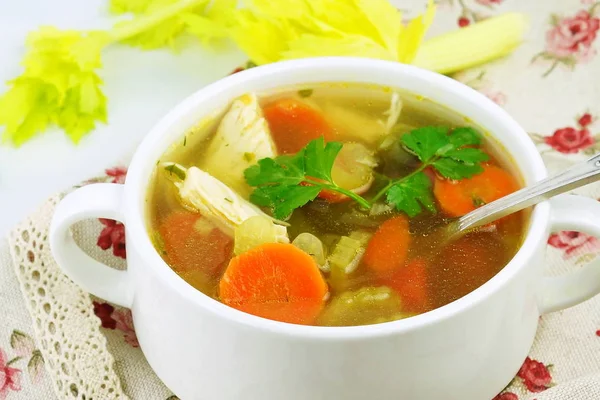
(192, 243)
(277, 281)
(458, 198)
(388, 248)
(410, 282)
(293, 124)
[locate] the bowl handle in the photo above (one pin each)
(100, 200)
(581, 214)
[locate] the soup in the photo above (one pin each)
(318, 205)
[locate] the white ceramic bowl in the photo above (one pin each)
(202, 349)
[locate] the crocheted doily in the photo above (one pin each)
(69, 334)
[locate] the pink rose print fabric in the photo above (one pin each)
(578, 138)
(574, 243)
(113, 232)
(506, 396)
(117, 319)
(535, 375)
(570, 140)
(112, 236)
(571, 39)
(117, 174)
(124, 323)
(10, 378)
(20, 357)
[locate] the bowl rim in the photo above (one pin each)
(138, 178)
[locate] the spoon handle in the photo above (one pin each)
(574, 177)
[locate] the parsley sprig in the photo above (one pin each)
(287, 182)
(450, 152)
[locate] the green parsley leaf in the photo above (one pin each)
(269, 170)
(425, 142)
(434, 145)
(284, 199)
(453, 169)
(321, 157)
(305, 92)
(412, 195)
(465, 136)
(288, 182)
(176, 171)
(445, 150)
(468, 155)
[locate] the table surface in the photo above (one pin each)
(141, 87)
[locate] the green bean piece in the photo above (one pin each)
(365, 306)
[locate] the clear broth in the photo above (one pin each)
(452, 272)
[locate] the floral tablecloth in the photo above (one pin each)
(57, 342)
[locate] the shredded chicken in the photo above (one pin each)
(204, 193)
(242, 138)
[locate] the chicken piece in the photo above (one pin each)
(203, 193)
(393, 113)
(242, 138)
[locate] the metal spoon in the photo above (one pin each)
(574, 177)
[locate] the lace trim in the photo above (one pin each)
(75, 350)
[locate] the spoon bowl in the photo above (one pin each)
(579, 175)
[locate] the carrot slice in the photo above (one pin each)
(388, 248)
(191, 243)
(458, 198)
(277, 281)
(293, 124)
(410, 282)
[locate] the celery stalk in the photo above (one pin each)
(473, 45)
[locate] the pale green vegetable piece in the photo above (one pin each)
(329, 240)
(353, 167)
(253, 232)
(362, 236)
(175, 172)
(367, 305)
(313, 246)
(476, 44)
(347, 253)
